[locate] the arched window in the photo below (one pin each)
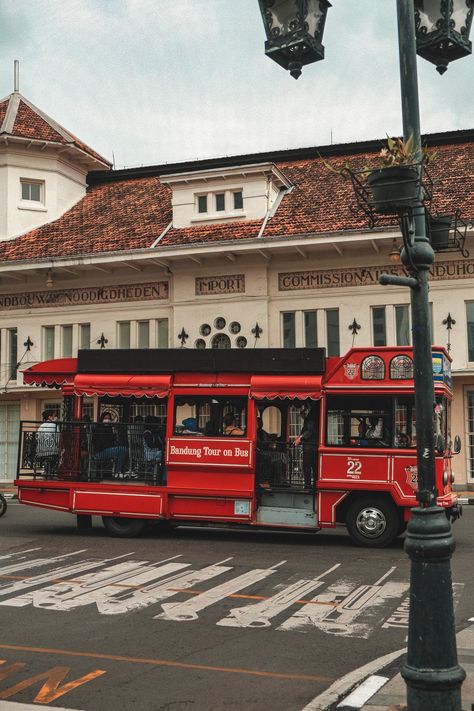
(373, 368)
(221, 340)
(401, 368)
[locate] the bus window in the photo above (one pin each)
(405, 423)
(358, 422)
(210, 416)
(270, 427)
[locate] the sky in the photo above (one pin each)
(155, 81)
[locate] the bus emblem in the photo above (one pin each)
(412, 477)
(351, 370)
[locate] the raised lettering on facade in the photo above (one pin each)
(86, 296)
(228, 284)
(366, 276)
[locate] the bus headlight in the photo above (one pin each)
(445, 478)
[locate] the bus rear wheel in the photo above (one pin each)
(372, 522)
(123, 527)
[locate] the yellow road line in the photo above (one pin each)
(168, 663)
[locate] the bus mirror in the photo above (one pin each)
(440, 443)
(457, 445)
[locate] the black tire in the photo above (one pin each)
(124, 527)
(402, 526)
(372, 522)
(3, 505)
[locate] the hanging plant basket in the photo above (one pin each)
(438, 230)
(394, 188)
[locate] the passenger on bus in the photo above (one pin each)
(104, 442)
(262, 435)
(309, 438)
(402, 440)
(190, 427)
(47, 442)
(230, 426)
(152, 443)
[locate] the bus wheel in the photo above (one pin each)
(123, 527)
(372, 522)
(3, 505)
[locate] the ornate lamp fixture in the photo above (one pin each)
(28, 344)
(394, 255)
(294, 31)
(183, 337)
(442, 30)
(49, 279)
(102, 342)
(354, 328)
(449, 322)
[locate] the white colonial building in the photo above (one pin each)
(248, 251)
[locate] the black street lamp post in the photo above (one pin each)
(432, 673)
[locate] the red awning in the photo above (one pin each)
(122, 385)
(52, 373)
(293, 387)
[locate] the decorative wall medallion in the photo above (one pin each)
(234, 327)
(219, 323)
(241, 342)
(205, 329)
(351, 370)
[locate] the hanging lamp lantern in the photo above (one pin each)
(294, 30)
(442, 30)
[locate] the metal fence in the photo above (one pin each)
(90, 451)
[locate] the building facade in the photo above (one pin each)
(243, 252)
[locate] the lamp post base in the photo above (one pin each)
(432, 673)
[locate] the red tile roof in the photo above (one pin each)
(30, 122)
(130, 213)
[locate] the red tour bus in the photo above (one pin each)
(267, 438)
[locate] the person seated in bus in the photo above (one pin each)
(190, 427)
(402, 440)
(47, 442)
(152, 443)
(263, 468)
(309, 439)
(375, 433)
(230, 426)
(105, 445)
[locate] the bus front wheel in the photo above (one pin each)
(123, 527)
(372, 522)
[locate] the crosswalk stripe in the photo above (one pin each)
(185, 611)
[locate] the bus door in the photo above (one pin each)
(286, 466)
(210, 455)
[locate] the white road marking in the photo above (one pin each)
(54, 574)
(14, 706)
(185, 611)
(18, 553)
(260, 613)
(364, 692)
(101, 585)
(37, 563)
(342, 617)
(151, 594)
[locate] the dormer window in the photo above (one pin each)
(202, 203)
(220, 202)
(225, 194)
(32, 190)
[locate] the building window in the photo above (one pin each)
(332, 330)
(470, 329)
(401, 368)
(32, 190)
(202, 203)
(143, 334)
(48, 342)
(288, 328)
(238, 200)
(12, 352)
(66, 339)
(84, 336)
(124, 334)
(470, 433)
(162, 332)
(379, 331)
(402, 325)
(220, 202)
(310, 329)
(221, 340)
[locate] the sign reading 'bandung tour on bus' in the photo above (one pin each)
(86, 296)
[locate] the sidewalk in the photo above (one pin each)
(387, 692)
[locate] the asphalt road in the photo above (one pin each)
(196, 619)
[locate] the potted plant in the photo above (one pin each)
(395, 183)
(438, 227)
